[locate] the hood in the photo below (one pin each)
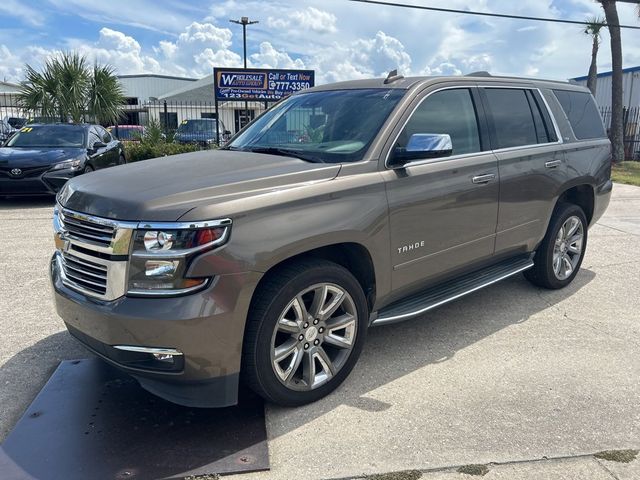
(164, 189)
(36, 157)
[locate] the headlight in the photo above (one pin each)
(162, 253)
(72, 164)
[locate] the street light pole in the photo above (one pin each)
(244, 21)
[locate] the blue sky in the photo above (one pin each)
(339, 39)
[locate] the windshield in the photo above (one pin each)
(197, 126)
(48, 136)
(327, 126)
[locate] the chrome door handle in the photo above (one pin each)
(552, 163)
(486, 178)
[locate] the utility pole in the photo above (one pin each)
(244, 21)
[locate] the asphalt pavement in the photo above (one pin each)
(528, 382)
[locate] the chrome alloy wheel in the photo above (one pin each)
(314, 336)
(567, 250)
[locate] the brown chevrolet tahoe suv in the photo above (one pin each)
(341, 208)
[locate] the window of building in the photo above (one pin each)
(169, 120)
(243, 117)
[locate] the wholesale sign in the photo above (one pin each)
(259, 84)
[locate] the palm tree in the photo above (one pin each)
(68, 89)
(592, 28)
(616, 133)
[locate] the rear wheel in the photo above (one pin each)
(121, 160)
(306, 329)
(560, 255)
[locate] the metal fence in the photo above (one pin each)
(631, 128)
(169, 115)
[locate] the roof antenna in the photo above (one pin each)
(392, 77)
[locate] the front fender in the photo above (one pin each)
(348, 210)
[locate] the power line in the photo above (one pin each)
(486, 14)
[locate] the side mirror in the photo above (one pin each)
(227, 132)
(422, 146)
(98, 145)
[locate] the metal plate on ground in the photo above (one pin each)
(91, 421)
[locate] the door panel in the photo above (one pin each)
(530, 163)
(527, 189)
(440, 220)
(443, 211)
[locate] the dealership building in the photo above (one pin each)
(630, 87)
(171, 100)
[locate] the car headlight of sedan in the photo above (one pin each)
(162, 253)
(73, 164)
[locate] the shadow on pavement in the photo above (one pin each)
(394, 351)
(390, 353)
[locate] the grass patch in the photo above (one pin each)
(621, 456)
(208, 476)
(404, 475)
(626, 172)
(478, 470)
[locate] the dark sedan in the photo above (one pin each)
(39, 159)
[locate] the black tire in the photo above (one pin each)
(542, 273)
(122, 160)
(88, 169)
(269, 303)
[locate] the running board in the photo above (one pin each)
(441, 294)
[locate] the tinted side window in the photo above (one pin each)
(447, 111)
(541, 130)
(93, 136)
(512, 117)
(582, 113)
(106, 136)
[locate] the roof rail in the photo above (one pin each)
(480, 73)
(392, 77)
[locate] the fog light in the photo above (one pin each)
(163, 357)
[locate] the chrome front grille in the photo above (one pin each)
(83, 274)
(92, 253)
(86, 229)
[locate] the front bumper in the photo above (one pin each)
(47, 183)
(206, 327)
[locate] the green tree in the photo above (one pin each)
(592, 28)
(67, 88)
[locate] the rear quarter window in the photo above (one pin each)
(582, 114)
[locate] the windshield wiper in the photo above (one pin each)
(284, 152)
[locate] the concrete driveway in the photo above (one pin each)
(508, 374)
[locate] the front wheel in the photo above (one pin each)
(305, 332)
(560, 254)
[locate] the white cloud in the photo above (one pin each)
(362, 58)
(314, 19)
(303, 21)
(340, 40)
(269, 57)
(199, 48)
(21, 11)
(10, 65)
(121, 51)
